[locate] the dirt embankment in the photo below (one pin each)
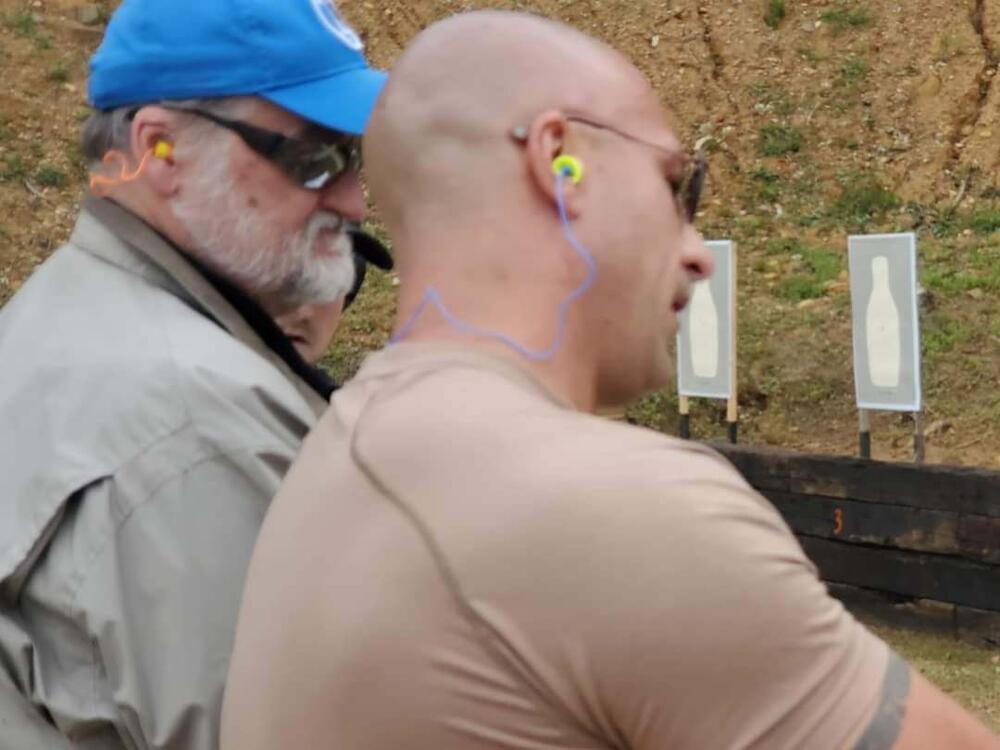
(833, 117)
(902, 86)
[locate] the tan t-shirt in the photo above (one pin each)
(458, 560)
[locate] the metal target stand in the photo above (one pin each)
(722, 384)
(885, 319)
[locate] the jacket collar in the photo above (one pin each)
(141, 249)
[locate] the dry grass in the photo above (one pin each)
(970, 674)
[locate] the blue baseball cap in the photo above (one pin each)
(298, 54)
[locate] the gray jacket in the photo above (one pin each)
(144, 427)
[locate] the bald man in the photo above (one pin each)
(464, 557)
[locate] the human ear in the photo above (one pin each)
(151, 144)
(557, 173)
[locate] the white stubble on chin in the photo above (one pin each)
(253, 252)
(326, 267)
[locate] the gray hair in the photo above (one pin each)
(110, 130)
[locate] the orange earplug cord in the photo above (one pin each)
(101, 184)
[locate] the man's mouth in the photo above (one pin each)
(680, 302)
(328, 241)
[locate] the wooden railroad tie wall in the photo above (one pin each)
(910, 532)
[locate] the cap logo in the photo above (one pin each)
(326, 12)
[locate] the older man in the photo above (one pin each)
(149, 406)
(462, 557)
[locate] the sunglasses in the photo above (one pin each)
(313, 163)
(687, 188)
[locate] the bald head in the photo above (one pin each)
(460, 153)
(441, 129)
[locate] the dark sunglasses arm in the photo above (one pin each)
(695, 184)
(264, 142)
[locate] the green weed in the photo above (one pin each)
(986, 259)
(810, 55)
(862, 199)
(824, 264)
(814, 390)
(852, 72)
(799, 287)
(712, 146)
(811, 218)
(59, 73)
(941, 223)
(747, 226)
(818, 267)
(773, 97)
(656, 410)
(948, 223)
(782, 246)
(984, 220)
(942, 333)
(50, 177)
(775, 13)
(22, 24)
(807, 187)
(778, 140)
(766, 186)
(846, 17)
(949, 281)
(14, 168)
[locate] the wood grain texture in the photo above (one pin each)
(913, 532)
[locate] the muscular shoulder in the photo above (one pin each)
(475, 446)
(476, 411)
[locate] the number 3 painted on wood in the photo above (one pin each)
(838, 521)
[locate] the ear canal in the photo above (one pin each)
(568, 166)
(163, 150)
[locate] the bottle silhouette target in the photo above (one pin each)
(704, 332)
(882, 329)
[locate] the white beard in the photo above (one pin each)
(250, 251)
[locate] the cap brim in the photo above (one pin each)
(341, 102)
(371, 249)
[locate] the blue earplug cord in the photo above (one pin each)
(433, 297)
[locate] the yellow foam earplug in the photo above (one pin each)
(568, 166)
(163, 150)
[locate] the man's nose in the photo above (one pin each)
(696, 257)
(345, 197)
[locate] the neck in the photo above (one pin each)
(521, 327)
(519, 292)
(155, 213)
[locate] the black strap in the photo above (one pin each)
(269, 332)
(252, 313)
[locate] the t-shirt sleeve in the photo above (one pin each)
(718, 633)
